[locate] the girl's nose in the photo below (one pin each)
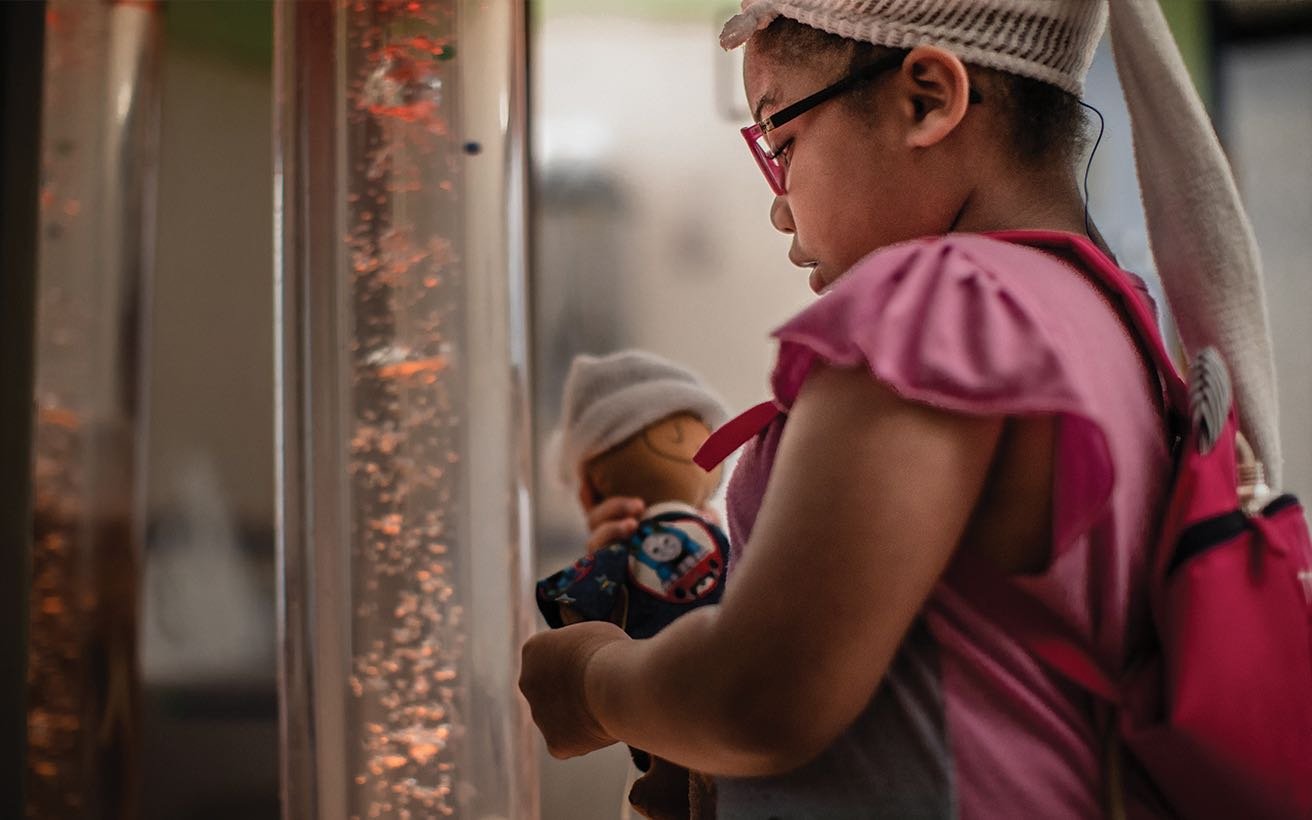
(781, 216)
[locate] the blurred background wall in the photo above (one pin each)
(207, 621)
(651, 229)
(1265, 117)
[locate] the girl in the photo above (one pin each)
(968, 420)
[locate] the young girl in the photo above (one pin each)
(968, 420)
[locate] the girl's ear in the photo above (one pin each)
(934, 90)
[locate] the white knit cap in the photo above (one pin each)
(1201, 239)
(609, 399)
(1048, 40)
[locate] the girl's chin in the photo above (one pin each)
(818, 283)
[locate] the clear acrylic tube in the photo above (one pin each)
(99, 156)
(404, 554)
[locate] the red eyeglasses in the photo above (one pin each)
(770, 161)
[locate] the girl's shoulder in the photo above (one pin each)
(964, 321)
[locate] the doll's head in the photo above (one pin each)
(630, 425)
(655, 464)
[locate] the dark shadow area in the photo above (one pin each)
(22, 33)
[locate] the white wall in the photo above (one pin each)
(212, 354)
(1267, 126)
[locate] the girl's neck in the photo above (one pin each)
(1021, 201)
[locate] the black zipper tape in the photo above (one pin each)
(1220, 529)
(1206, 534)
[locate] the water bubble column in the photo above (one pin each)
(99, 155)
(403, 429)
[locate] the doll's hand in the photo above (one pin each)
(551, 676)
(613, 520)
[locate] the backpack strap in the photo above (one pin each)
(1015, 610)
(1124, 294)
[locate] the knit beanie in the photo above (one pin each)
(1202, 241)
(1048, 40)
(609, 399)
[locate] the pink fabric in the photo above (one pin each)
(977, 325)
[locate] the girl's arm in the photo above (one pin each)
(868, 498)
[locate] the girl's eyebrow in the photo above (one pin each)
(768, 98)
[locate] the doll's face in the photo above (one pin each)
(655, 465)
(676, 438)
(662, 546)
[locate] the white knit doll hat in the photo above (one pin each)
(608, 399)
(1201, 239)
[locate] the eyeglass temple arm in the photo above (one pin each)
(802, 106)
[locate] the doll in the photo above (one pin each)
(631, 423)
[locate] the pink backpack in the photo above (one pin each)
(1218, 718)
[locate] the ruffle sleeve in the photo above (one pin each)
(952, 323)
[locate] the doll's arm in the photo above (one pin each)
(869, 497)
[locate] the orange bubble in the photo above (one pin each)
(423, 752)
(59, 417)
(390, 524)
(433, 364)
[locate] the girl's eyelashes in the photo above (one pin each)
(781, 153)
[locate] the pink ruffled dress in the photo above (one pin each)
(968, 724)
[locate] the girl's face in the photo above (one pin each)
(856, 182)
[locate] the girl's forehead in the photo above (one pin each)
(758, 70)
(760, 85)
(769, 83)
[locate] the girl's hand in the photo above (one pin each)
(611, 520)
(551, 676)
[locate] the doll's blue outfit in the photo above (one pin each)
(673, 563)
